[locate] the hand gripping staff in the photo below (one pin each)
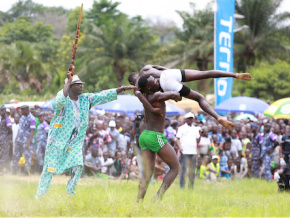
(75, 45)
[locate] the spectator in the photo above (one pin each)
(285, 149)
(106, 163)
(123, 140)
(249, 166)
(267, 150)
(238, 128)
(41, 140)
(203, 172)
(133, 168)
(225, 133)
(215, 146)
(93, 163)
(5, 140)
(15, 127)
(187, 137)
(276, 131)
(204, 144)
(114, 133)
(246, 157)
(238, 170)
(225, 169)
(100, 138)
(256, 151)
(200, 116)
(225, 154)
(282, 177)
(159, 169)
(117, 164)
(24, 140)
(214, 169)
(169, 132)
(244, 140)
(236, 146)
(214, 131)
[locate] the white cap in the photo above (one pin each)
(188, 115)
(215, 157)
(75, 80)
(112, 123)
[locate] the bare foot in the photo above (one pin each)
(244, 76)
(225, 123)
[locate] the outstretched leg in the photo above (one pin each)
(191, 75)
(76, 173)
(148, 160)
(168, 155)
(208, 109)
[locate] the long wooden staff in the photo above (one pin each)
(75, 45)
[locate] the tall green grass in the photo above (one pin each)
(109, 198)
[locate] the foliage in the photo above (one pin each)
(270, 81)
(116, 46)
(22, 60)
(102, 11)
(262, 39)
(34, 56)
(23, 30)
(23, 8)
(194, 46)
(108, 198)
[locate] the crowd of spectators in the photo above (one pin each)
(206, 149)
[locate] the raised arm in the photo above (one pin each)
(146, 103)
(164, 96)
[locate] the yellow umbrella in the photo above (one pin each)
(187, 104)
(279, 109)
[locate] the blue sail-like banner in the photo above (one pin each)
(224, 42)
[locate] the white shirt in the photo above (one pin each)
(123, 141)
(204, 144)
(236, 146)
(15, 128)
(188, 136)
(104, 164)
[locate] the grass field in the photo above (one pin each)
(108, 198)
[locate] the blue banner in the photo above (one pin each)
(224, 42)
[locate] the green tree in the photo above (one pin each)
(263, 38)
(115, 46)
(194, 44)
(22, 61)
(102, 11)
(23, 30)
(24, 8)
(270, 81)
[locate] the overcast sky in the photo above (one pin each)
(164, 9)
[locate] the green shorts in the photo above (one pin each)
(151, 140)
